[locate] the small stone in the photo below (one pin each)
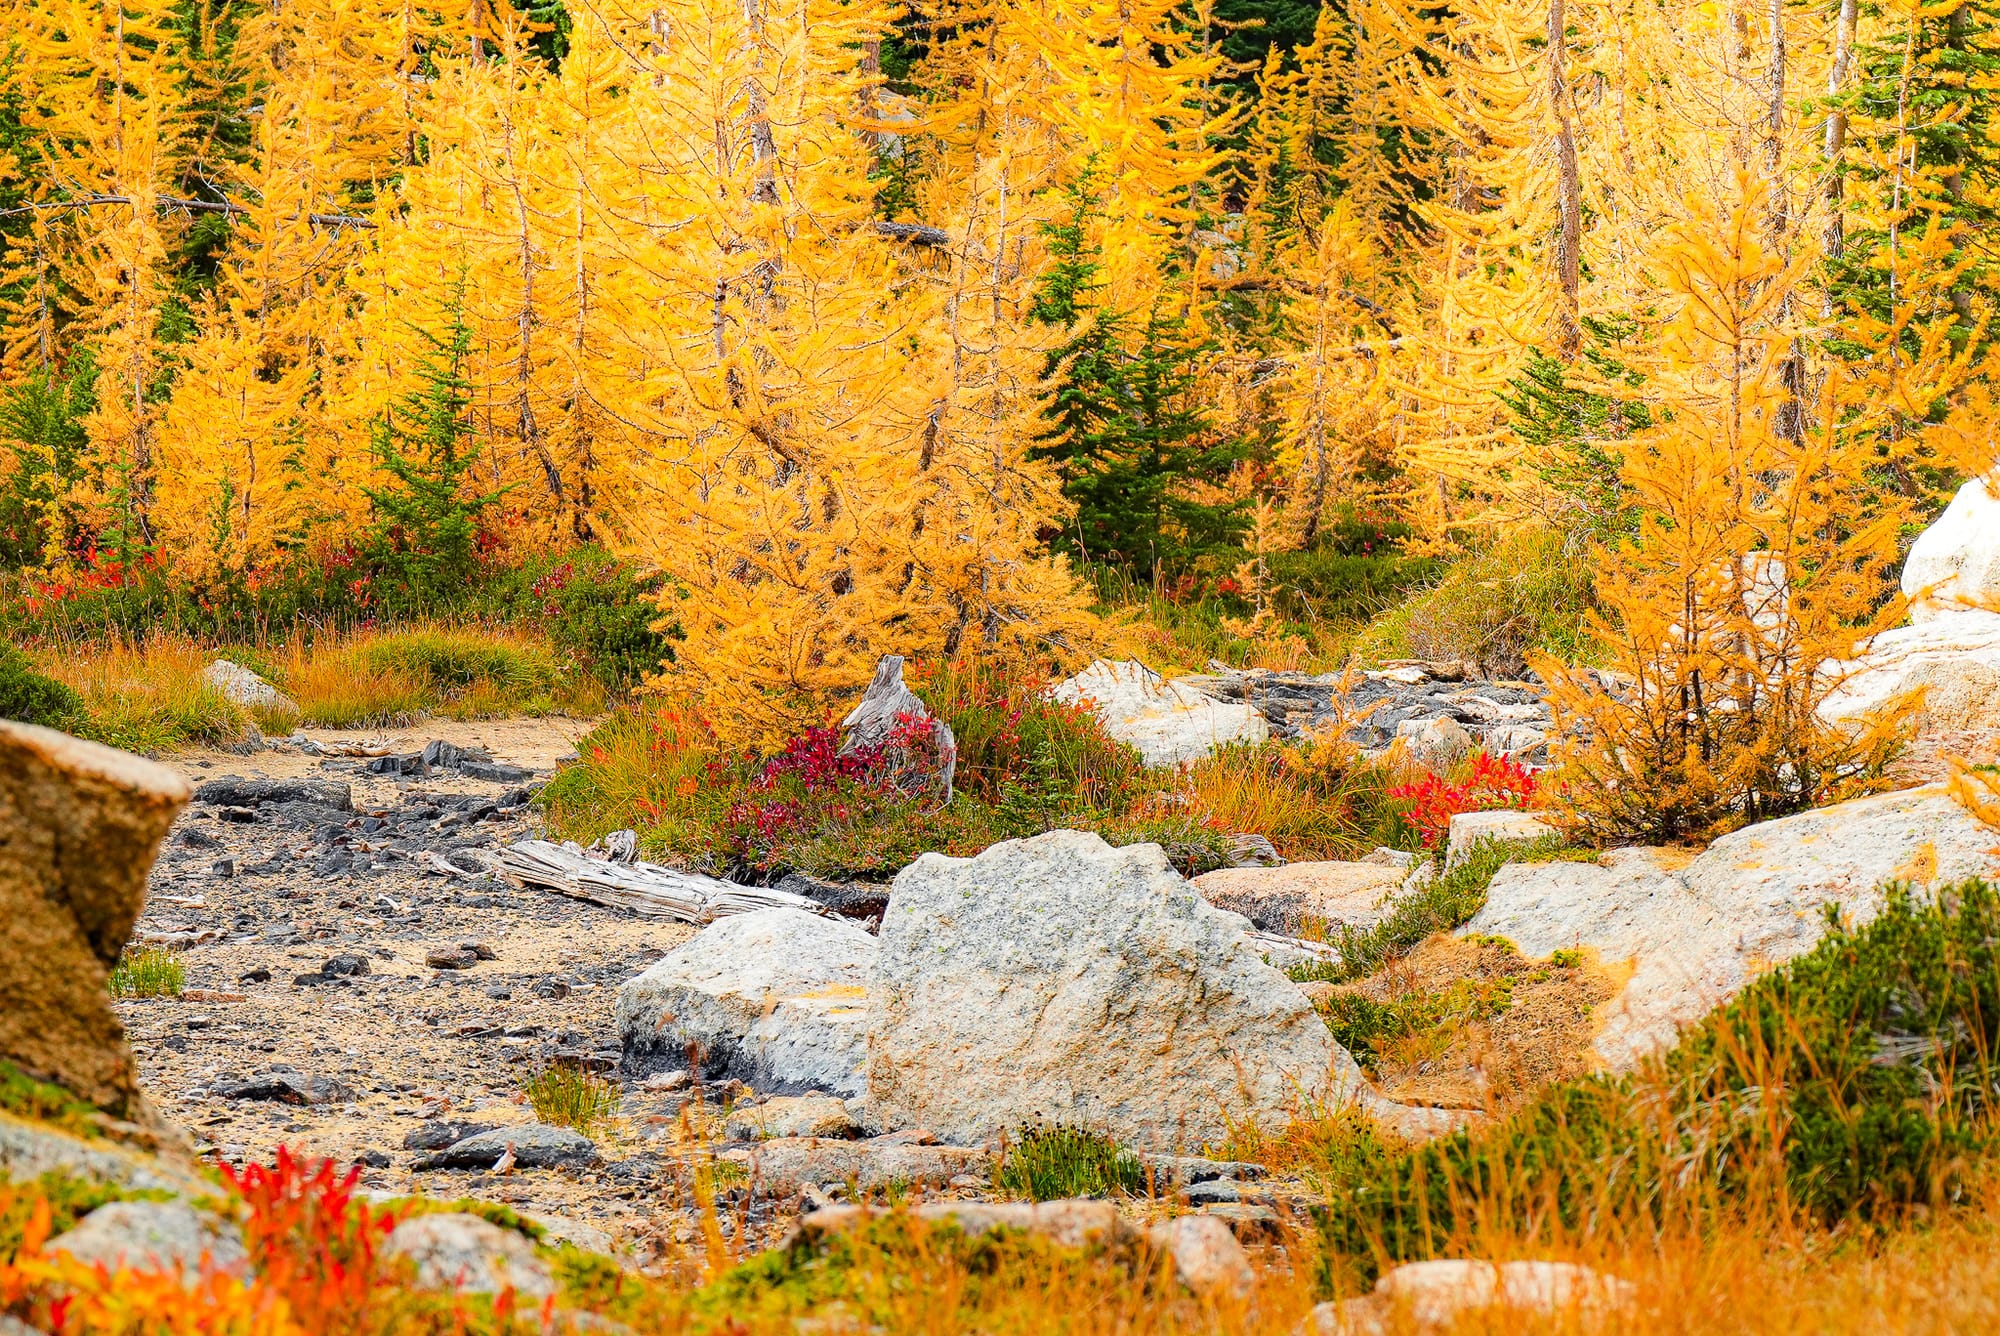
(152, 1236)
(347, 964)
(664, 1081)
(1249, 1221)
(1437, 743)
(1177, 1170)
(258, 975)
(500, 993)
(464, 1253)
(451, 958)
(480, 950)
(1205, 1253)
(286, 1088)
(242, 686)
(222, 867)
(373, 1159)
(533, 1145)
(436, 1135)
(1213, 1191)
(792, 1116)
(1321, 897)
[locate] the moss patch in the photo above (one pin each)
(52, 1106)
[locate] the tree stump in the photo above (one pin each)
(888, 714)
(79, 827)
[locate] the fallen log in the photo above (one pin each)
(644, 888)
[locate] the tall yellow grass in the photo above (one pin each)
(147, 695)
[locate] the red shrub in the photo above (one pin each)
(1494, 782)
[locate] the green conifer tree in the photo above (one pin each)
(1126, 426)
(425, 538)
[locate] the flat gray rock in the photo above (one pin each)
(153, 1236)
(536, 1146)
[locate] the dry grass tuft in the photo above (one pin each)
(148, 696)
(1470, 1023)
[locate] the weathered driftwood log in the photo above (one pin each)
(643, 888)
(79, 826)
(884, 708)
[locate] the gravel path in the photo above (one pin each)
(258, 897)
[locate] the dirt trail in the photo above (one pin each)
(282, 887)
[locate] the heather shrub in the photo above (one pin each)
(33, 698)
(1047, 1163)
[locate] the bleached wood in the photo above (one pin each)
(643, 888)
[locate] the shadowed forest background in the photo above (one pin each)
(748, 343)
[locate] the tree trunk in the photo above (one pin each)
(1569, 245)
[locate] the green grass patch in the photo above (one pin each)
(1366, 1027)
(33, 697)
(40, 1102)
(1851, 1084)
(1447, 901)
(1527, 594)
(571, 1097)
(1048, 1163)
(150, 971)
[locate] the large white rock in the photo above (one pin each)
(1695, 932)
(242, 686)
(1955, 564)
(1950, 652)
(1060, 979)
(776, 998)
(1168, 723)
(1954, 660)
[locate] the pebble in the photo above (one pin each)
(451, 958)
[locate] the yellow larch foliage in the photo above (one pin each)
(822, 442)
(1759, 556)
(105, 92)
